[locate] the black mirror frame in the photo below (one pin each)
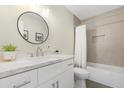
(39, 16)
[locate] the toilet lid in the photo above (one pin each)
(80, 71)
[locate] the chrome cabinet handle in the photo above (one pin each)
(57, 82)
(53, 85)
(70, 64)
(23, 84)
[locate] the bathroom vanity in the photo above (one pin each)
(55, 71)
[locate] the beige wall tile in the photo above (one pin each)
(107, 49)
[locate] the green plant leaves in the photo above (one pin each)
(9, 47)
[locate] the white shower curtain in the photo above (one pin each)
(80, 46)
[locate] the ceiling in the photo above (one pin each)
(87, 11)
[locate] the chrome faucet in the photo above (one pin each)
(37, 52)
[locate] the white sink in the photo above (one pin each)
(43, 59)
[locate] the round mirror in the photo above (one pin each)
(32, 27)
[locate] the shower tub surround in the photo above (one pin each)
(47, 71)
(108, 75)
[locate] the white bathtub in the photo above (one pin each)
(105, 74)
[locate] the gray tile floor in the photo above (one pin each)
(92, 84)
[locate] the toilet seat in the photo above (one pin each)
(81, 73)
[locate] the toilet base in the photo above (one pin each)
(80, 83)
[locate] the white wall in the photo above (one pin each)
(60, 22)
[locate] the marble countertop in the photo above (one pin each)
(26, 64)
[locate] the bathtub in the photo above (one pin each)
(108, 75)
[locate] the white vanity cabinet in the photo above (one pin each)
(57, 75)
(64, 80)
(22, 80)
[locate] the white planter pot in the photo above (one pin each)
(9, 56)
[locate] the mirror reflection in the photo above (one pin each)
(32, 27)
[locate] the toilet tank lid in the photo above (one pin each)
(81, 71)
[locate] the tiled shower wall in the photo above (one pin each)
(105, 38)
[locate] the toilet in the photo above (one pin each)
(80, 76)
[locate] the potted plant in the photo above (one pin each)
(9, 53)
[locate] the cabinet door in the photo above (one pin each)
(63, 80)
(66, 80)
(53, 83)
(23, 80)
(47, 73)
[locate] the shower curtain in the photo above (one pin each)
(80, 46)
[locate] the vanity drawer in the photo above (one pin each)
(51, 71)
(23, 80)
